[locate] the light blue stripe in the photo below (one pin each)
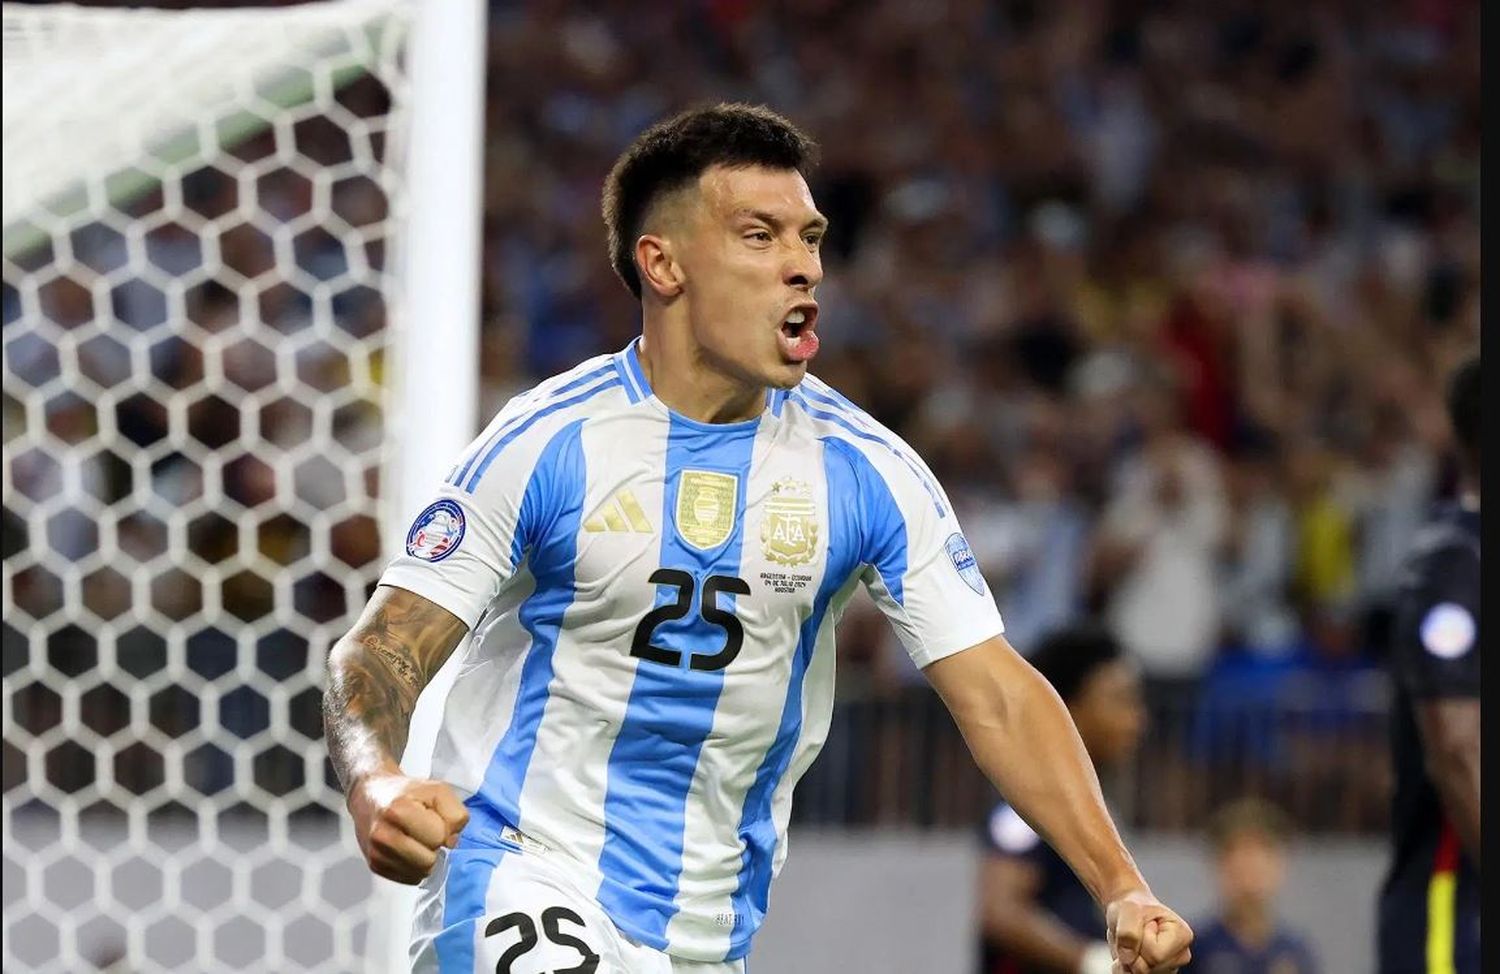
(671, 708)
(802, 397)
(464, 885)
(510, 424)
(822, 392)
(547, 532)
(757, 828)
(510, 437)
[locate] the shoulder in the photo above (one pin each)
(864, 444)
(584, 383)
(528, 424)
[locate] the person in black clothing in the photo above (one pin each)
(1035, 915)
(1429, 905)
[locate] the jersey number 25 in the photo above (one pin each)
(734, 632)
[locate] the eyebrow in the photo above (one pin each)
(818, 222)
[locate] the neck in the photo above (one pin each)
(688, 384)
(1250, 923)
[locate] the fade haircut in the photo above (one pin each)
(673, 153)
(1069, 657)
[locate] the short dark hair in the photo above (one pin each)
(1068, 657)
(1463, 406)
(676, 151)
(1248, 816)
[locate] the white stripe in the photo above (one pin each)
(562, 800)
(478, 709)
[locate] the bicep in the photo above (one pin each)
(977, 680)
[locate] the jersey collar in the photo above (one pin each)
(638, 388)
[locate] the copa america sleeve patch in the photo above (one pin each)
(1448, 630)
(965, 562)
(436, 532)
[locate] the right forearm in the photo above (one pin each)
(372, 691)
(376, 673)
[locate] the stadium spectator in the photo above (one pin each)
(1246, 936)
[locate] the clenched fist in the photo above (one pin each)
(402, 822)
(1147, 938)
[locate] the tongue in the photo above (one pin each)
(800, 348)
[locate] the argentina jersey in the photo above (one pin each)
(653, 602)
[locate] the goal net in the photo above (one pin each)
(200, 249)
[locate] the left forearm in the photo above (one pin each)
(1024, 740)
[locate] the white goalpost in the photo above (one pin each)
(241, 260)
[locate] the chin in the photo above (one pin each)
(787, 375)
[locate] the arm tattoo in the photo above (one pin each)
(376, 673)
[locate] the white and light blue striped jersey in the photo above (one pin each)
(653, 601)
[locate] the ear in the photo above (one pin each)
(659, 271)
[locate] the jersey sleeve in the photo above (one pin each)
(918, 567)
(1436, 648)
(464, 547)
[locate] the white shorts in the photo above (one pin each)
(535, 920)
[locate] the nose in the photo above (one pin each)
(804, 269)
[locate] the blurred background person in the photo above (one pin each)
(1035, 915)
(1246, 936)
(1429, 907)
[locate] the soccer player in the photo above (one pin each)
(1429, 905)
(652, 551)
(1247, 937)
(1035, 913)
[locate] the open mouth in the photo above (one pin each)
(799, 340)
(798, 323)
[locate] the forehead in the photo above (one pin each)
(728, 192)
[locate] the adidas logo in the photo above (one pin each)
(621, 514)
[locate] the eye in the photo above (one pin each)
(760, 235)
(813, 240)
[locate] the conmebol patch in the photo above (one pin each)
(436, 532)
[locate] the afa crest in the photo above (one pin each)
(705, 507)
(789, 528)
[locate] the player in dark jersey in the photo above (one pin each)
(1429, 906)
(1034, 913)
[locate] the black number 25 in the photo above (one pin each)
(734, 632)
(551, 918)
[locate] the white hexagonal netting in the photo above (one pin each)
(195, 305)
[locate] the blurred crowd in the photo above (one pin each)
(1163, 291)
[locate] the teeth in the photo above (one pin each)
(796, 318)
